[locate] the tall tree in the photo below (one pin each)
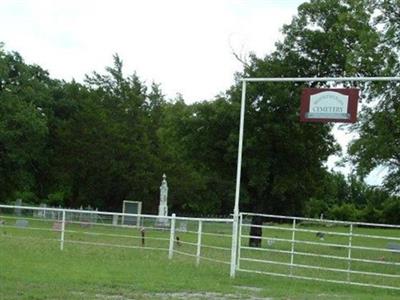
(102, 141)
(24, 96)
(204, 147)
(379, 127)
(283, 159)
(116, 148)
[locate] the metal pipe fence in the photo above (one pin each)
(355, 253)
(202, 238)
(352, 253)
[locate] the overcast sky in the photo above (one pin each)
(185, 45)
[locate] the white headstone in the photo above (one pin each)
(17, 211)
(182, 226)
(115, 220)
(42, 213)
(21, 223)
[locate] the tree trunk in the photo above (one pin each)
(259, 205)
(255, 232)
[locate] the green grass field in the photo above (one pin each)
(33, 267)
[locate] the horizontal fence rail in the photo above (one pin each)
(205, 239)
(354, 253)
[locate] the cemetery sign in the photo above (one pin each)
(329, 105)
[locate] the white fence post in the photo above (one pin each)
(62, 230)
(172, 237)
(234, 245)
(199, 242)
(292, 250)
(349, 252)
(239, 241)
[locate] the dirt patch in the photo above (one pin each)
(181, 296)
(202, 296)
(249, 288)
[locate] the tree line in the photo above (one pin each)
(112, 136)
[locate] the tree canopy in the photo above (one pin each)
(112, 136)
(379, 127)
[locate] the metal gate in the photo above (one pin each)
(353, 253)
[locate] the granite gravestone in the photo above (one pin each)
(17, 210)
(21, 223)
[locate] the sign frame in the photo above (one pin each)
(235, 230)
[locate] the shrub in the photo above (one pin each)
(315, 207)
(391, 210)
(344, 212)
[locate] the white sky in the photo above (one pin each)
(186, 45)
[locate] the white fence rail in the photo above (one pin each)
(353, 253)
(323, 250)
(202, 238)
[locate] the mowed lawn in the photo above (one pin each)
(32, 267)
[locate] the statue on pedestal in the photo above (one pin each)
(163, 207)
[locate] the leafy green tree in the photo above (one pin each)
(391, 210)
(284, 158)
(24, 93)
(379, 140)
(333, 189)
(108, 142)
(200, 140)
(102, 144)
(379, 126)
(346, 211)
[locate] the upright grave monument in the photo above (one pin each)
(163, 207)
(17, 211)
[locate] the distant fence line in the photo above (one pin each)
(64, 225)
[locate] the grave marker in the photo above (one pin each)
(21, 223)
(17, 210)
(182, 226)
(163, 207)
(115, 220)
(57, 226)
(394, 246)
(42, 213)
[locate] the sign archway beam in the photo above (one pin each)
(240, 144)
